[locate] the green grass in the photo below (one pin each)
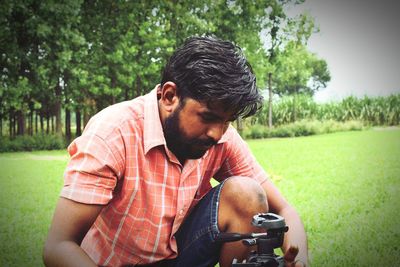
(30, 185)
(346, 187)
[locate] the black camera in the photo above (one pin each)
(266, 242)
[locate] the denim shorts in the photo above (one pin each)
(196, 236)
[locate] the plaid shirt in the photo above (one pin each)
(122, 161)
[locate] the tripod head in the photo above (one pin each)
(266, 241)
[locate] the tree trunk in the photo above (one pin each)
(41, 123)
(48, 124)
(68, 135)
(295, 107)
(31, 122)
(10, 132)
(53, 125)
(36, 122)
(14, 125)
(68, 125)
(51, 131)
(20, 123)
(78, 123)
(58, 109)
(10, 125)
(1, 125)
(270, 100)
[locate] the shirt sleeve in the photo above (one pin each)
(239, 161)
(93, 170)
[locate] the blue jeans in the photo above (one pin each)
(196, 236)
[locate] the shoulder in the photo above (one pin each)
(124, 118)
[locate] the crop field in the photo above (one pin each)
(345, 186)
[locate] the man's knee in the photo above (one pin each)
(243, 197)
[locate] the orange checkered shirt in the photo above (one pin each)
(122, 161)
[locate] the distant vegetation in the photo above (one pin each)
(368, 110)
(300, 115)
(350, 114)
(61, 62)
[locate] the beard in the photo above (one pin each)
(180, 144)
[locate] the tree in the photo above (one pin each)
(61, 39)
(277, 30)
(83, 55)
(298, 70)
(18, 48)
(320, 73)
(274, 34)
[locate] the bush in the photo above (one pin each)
(29, 143)
(302, 128)
(283, 131)
(354, 125)
(258, 131)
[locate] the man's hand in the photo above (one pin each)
(295, 242)
(290, 258)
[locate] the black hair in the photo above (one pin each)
(214, 72)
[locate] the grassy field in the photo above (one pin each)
(30, 185)
(345, 185)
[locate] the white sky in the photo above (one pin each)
(360, 40)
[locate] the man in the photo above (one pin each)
(137, 188)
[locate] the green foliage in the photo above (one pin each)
(30, 143)
(256, 131)
(294, 71)
(301, 128)
(368, 110)
(83, 55)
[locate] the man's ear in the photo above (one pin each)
(169, 98)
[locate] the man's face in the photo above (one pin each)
(193, 128)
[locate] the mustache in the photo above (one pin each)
(206, 142)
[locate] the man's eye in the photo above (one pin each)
(206, 118)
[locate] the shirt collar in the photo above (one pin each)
(153, 132)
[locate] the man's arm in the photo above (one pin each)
(71, 222)
(295, 239)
